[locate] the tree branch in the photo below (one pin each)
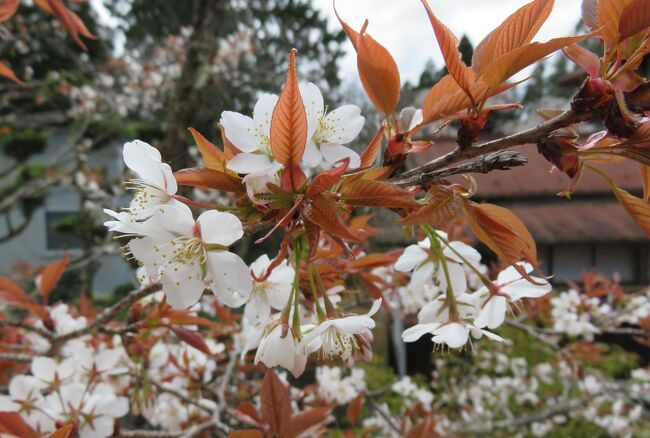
(569, 117)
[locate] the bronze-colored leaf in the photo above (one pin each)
(353, 411)
(67, 431)
(192, 338)
(513, 62)
(371, 193)
(634, 18)
(515, 31)
(442, 206)
(276, 404)
(15, 296)
(8, 8)
(209, 179)
(302, 422)
(12, 424)
(608, 16)
(213, 157)
(289, 121)
(50, 276)
(449, 46)
(369, 154)
(322, 211)
(327, 178)
(378, 73)
(645, 180)
(504, 233)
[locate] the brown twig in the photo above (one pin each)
(28, 327)
(16, 357)
(569, 117)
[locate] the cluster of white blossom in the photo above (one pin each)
(138, 83)
(85, 384)
(439, 277)
(412, 393)
(335, 388)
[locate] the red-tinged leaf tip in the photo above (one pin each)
(371, 193)
(276, 404)
(213, 157)
(584, 58)
(322, 211)
(9, 74)
(449, 47)
(192, 338)
(67, 431)
(289, 122)
(370, 153)
(352, 34)
(50, 276)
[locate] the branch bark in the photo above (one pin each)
(567, 118)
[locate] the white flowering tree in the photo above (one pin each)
(210, 345)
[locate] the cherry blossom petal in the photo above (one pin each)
(257, 309)
(240, 130)
(469, 253)
(414, 333)
(433, 312)
(221, 228)
(412, 256)
(312, 155)
(263, 112)
(492, 314)
(44, 368)
(353, 324)
(144, 160)
(312, 98)
(511, 274)
(245, 163)
(333, 153)
(454, 334)
(343, 125)
(182, 284)
(231, 279)
(456, 275)
(169, 182)
(422, 276)
(170, 220)
(522, 288)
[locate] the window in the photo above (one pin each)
(61, 230)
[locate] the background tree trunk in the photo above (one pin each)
(185, 104)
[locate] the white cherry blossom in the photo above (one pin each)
(251, 135)
(509, 286)
(191, 255)
(427, 271)
(329, 132)
(338, 336)
(454, 334)
(155, 183)
(270, 293)
(279, 347)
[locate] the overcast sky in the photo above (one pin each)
(403, 27)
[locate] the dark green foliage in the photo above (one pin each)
(20, 144)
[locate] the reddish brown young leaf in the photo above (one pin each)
(302, 422)
(587, 60)
(8, 8)
(449, 46)
(213, 157)
(374, 260)
(276, 404)
(353, 411)
(504, 233)
(50, 276)
(352, 34)
(442, 205)
(370, 193)
(634, 18)
(15, 296)
(378, 73)
(71, 21)
(590, 14)
(209, 179)
(322, 211)
(327, 178)
(608, 16)
(192, 338)
(424, 429)
(8, 73)
(289, 121)
(246, 433)
(313, 237)
(12, 424)
(369, 154)
(67, 431)
(516, 30)
(247, 408)
(181, 317)
(513, 62)
(635, 207)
